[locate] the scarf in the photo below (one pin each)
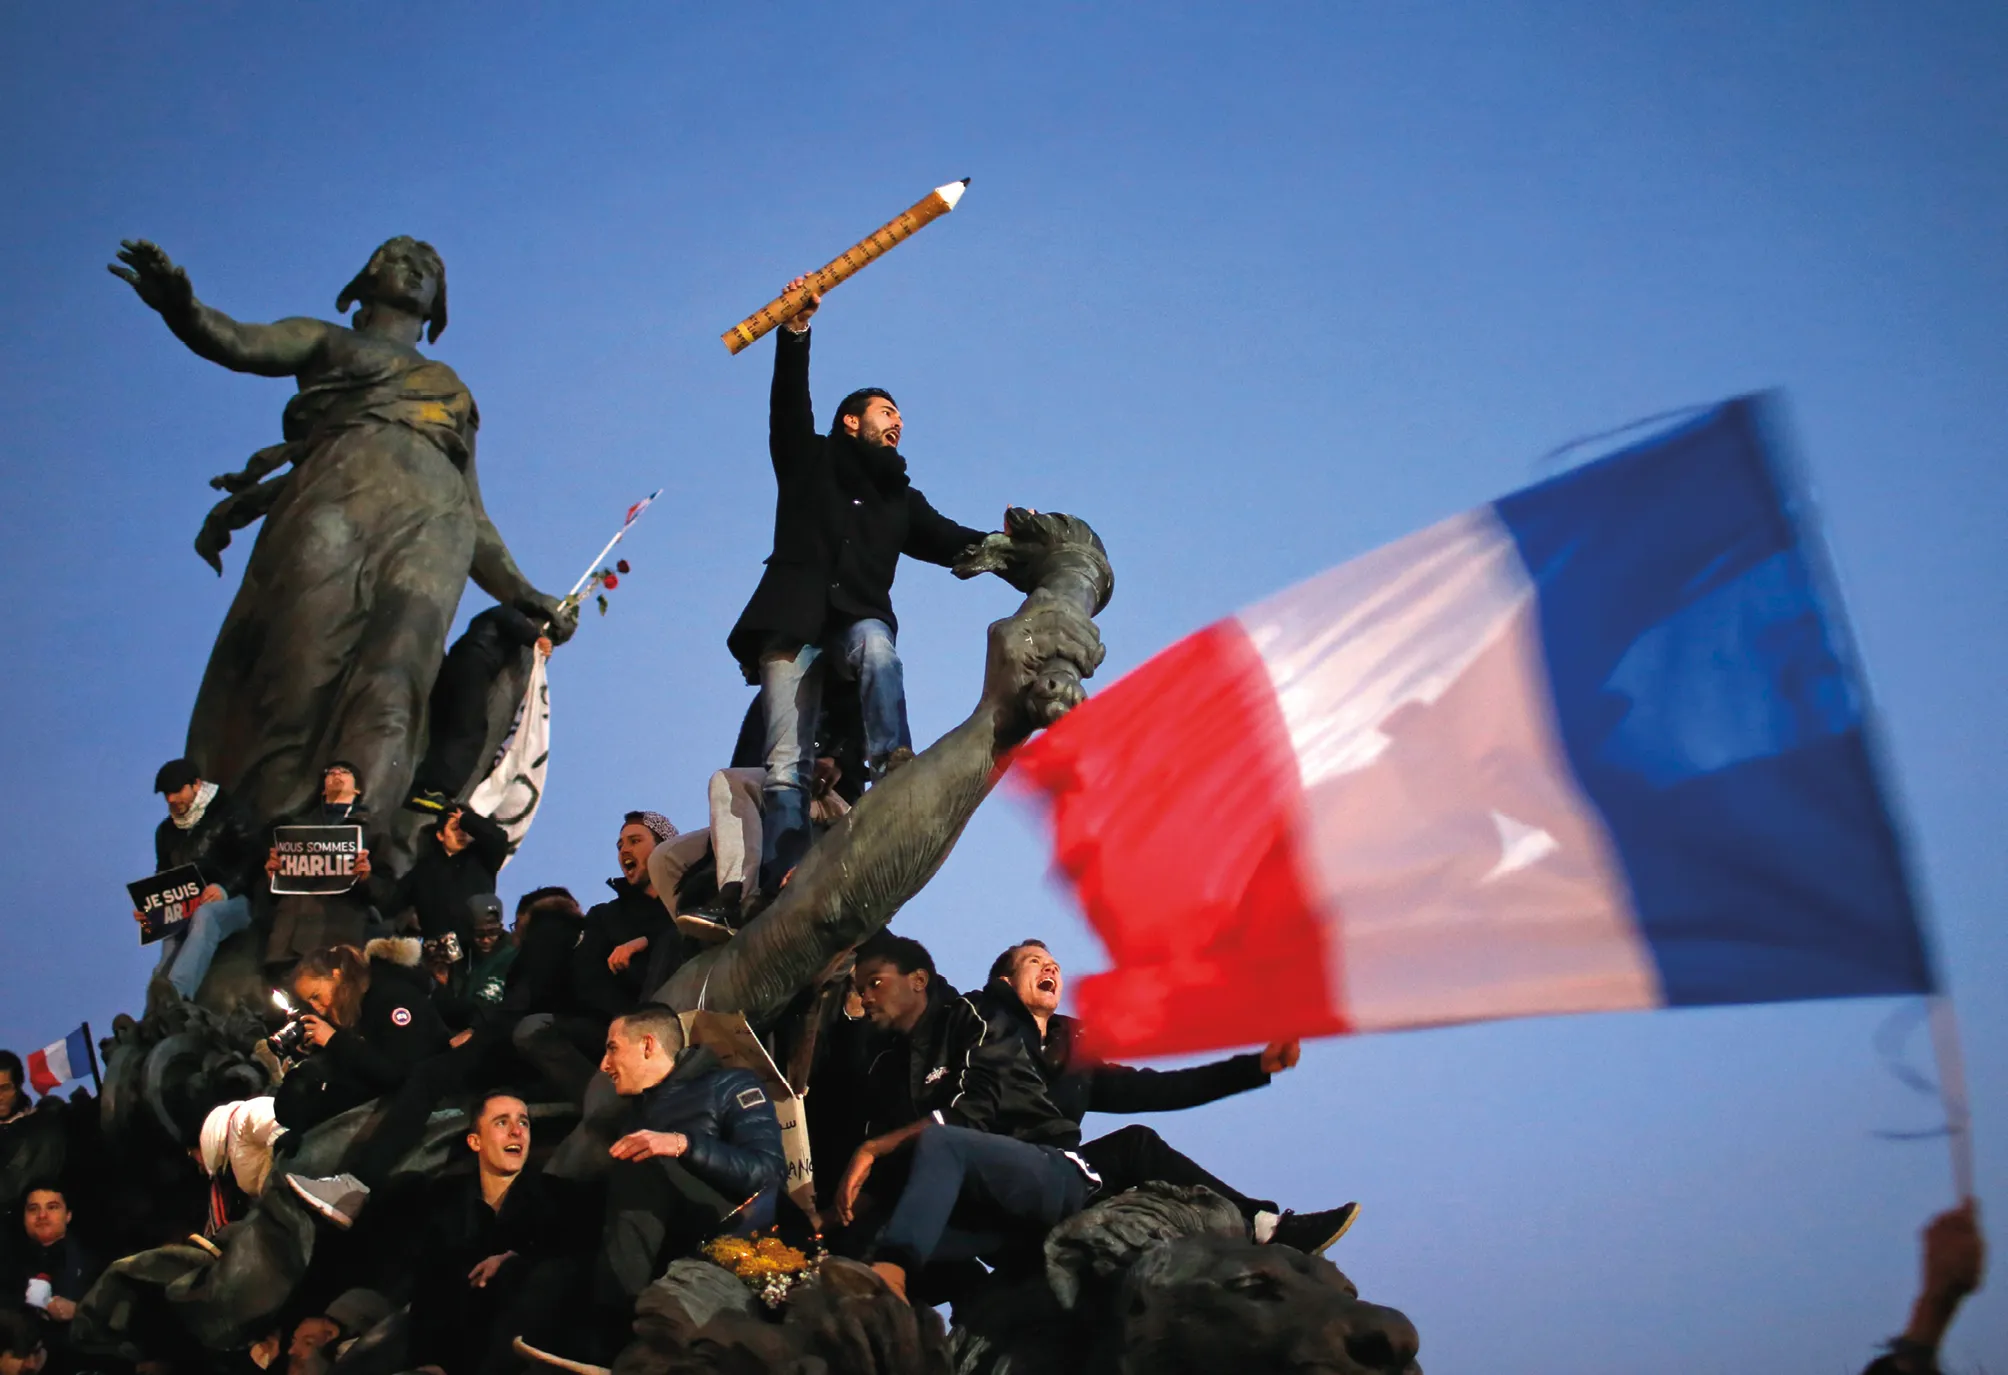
(192, 818)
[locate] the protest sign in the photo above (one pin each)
(165, 900)
(316, 859)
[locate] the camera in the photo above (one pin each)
(289, 1042)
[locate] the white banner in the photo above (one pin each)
(515, 784)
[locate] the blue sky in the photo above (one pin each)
(1253, 289)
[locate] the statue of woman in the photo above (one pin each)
(336, 634)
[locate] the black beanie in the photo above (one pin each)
(175, 775)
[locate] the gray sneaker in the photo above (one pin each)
(336, 1197)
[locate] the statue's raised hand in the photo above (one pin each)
(149, 271)
(1024, 650)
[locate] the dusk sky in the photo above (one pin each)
(1254, 289)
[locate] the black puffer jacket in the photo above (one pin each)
(843, 515)
(1080, 1086)
(227, 845)
(396, 1026)
(735, 1139)
(953, 1068)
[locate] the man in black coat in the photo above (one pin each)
(496, 640)
(302, 923)
(205, 827)
(844, 514)
(1021, 1003)
(497, 1249)
(628, 946)
(457, 859)
(992, 1165)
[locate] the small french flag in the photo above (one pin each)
(53, 1066)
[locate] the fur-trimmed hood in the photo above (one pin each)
(404, 951)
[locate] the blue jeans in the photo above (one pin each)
(791, 698)
(185, 952)
(972, 1193)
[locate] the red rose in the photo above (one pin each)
(621, 566)
(610, 582)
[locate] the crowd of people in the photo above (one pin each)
(948, 1125)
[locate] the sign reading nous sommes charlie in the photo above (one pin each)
(316, 859)
(163, 900)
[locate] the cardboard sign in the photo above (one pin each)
(165, 900)
(316, 859)
(727, 1035)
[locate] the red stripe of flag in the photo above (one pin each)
(1175, 801)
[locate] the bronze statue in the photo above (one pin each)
(337, 631)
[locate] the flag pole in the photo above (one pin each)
(619, 535)
(1952, 1090)
(91, 1055)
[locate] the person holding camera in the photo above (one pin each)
(458, 859)
(372, 1023)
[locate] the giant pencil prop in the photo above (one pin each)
(879, 242)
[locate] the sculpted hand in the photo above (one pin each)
(1019, 648)
(561, 617)
(649, 1145)
(152, 274)
(1278, 1056)
(801, 320)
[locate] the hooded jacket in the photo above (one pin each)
(954, 1068)
(1080, 1085)
(844, 512)
(227, 845)
(735, 1139)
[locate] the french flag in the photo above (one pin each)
(53, 1066)
(1596, 746)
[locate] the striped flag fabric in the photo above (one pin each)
(1598, 745)
(55, 1065)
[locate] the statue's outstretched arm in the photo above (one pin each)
(887, 847)
(495, 572)
(281, 349)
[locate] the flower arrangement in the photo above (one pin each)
(767, 1265)
(602, 582)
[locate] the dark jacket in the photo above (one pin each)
(227, 845)
(953, 1068)
(396, 1026)
(541, 1218)
(629, 913)
(735, 1139)
(843, 514)
(438, 885)
(1080, 1086)
(69, 1268)
(474, 989)
(490, 643)
(541, 978)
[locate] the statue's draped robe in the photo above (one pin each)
(331, 646)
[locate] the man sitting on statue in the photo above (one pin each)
(628, 947)
(498, 1250)
(458, 859)
(991, 1161)
(1022, 1002)
(845, 512)
(496, 640)
(702, 1144)
(207, 828)
(303, 923)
